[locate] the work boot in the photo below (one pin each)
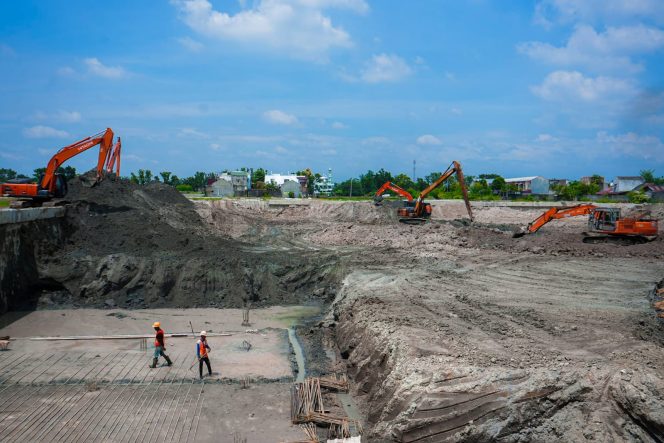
(154, 363)
(168, 360)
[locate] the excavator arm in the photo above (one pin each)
(103, 139)
(556, 213)
(389, 186)
(114, 159)
(454, 168)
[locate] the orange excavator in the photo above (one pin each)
(389, 186)
(421, 211)
(53, 185)
(114, 159)
(604, 224)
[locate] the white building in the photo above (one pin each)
(324, 185)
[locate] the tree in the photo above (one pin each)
(258, 176)
(648, 175)
(403, 181)
(498, 183)
(488, 176)
(38, 173)
(7, 174)
(166, 177)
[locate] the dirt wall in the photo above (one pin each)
(21, 245)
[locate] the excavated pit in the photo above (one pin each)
(449, 331)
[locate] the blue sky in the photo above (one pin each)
(558, 88)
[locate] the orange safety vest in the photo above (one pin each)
(202, 350)
(163, 338)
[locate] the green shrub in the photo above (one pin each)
(184, 188)
(638, 197)
(291, 194)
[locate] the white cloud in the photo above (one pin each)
(339, 125)
(329, 151)
(215, 146)
(574, 86)
(297, 28)
(456, 111)
(192, 133)
(281, 150)
(429, 139)
(449, 76)
(279, 117)
(611, 49)
(98, 68)
(545, 138)
(634, 145)
(191, 44)
(385, 68)
(59, 116)
(44, 132)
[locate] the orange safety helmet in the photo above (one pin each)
(156, 324)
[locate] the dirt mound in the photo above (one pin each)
(146, 246)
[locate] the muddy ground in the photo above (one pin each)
(458, 332)
(451, 331)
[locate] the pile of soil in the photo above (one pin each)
(145, 246)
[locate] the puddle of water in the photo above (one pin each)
(296, 313)
(299, 355)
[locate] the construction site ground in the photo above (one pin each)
(449, 331)
(103, 390)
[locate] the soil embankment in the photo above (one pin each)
(134, 246)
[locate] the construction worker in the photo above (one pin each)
(202, 349)
(159, 346)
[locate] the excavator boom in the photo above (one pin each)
(52, 184)
(603, 223)
(423, 209)
(114, 159)
(558, 213)
(389, 186)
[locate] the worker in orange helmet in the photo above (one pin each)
(159, 346)
(202, 349)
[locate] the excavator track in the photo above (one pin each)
(614, 239)
(413, 220)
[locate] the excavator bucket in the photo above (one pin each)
(89, 179)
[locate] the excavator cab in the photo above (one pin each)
(603, 219)
(61, 187)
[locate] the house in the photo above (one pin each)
(558, 182)
(626, 183)
(220, 188)
(598, 179)
(654, 192)
(530, 185)
(291, 186)
(280, 180)
(324, 185)
(619, 189)
(240, 180)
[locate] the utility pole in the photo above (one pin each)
(414, 172)
(350, 194)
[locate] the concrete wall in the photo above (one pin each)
(29, 214)
(539, 185)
